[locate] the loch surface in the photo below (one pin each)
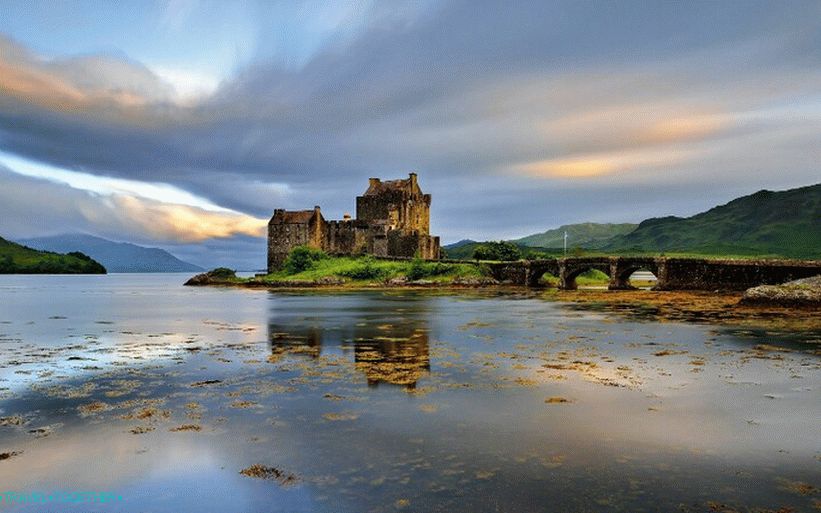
(393, 400)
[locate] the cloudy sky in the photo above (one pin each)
(184, 123)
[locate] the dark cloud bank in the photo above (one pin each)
(518, 117)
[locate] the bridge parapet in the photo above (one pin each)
(510, 272)
(731, 274)
(672, 273)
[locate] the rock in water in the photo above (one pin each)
(200, 279)
(220, 275)
(804, 293)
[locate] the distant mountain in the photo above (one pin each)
(451, 249)
(17, 259)
(461, 250)
(785, 223)
(117, 257)
(582, 235)
(463, 242)
(776, 224)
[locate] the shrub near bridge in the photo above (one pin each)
(500, 251)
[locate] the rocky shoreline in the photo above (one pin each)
(212, 279)
(804, 293)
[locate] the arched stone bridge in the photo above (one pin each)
(672, 273)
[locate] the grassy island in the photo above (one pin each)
(308, 267)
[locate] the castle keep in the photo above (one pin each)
(392, 219)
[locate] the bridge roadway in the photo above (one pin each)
(672, 273)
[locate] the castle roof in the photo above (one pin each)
(292, 216)
(378, 187)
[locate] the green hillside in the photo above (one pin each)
(550, 243)
(17, 259)
(784, 223)
(464, 250)
(582, 235)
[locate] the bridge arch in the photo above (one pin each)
(627, 279)
(623, 269)
(538, 268)
(570, 269)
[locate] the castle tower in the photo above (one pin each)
(289, 229)
(399, 203)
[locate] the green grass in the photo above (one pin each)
(374, 270)
(17, 259)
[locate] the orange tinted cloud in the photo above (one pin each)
(182, 223)
(680, 129)
(65, 209)
(593, 165)
(624, 138)
(569, 168)
(634, 126)
(39, 87)
(96, 85)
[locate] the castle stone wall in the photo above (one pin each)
(284, 237)
(412, 245)
(340, 237)
(287, 230)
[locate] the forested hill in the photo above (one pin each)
(582, 235)
(18, 259)
(784, 223)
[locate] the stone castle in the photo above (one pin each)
(392, 219)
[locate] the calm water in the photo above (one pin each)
(392, 401)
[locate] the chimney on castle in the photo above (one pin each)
(374, 181)
(412, 177)
(317, 210)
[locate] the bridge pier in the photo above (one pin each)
(564, 283)
(533, 276)
(619, 277)
(618, 283)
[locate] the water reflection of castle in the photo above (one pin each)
(398, 354)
